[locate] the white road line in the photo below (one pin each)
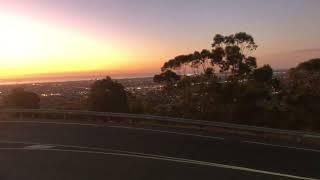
(180, 160)
(168, 132)
(39, 146)
(281, 146)
(123, 127)
(84, 147)
(53, 122)
(312, 136)
(196, 135)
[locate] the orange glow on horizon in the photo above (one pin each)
(29, 48)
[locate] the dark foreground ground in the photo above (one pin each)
(62, 150)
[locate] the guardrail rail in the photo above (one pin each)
(64, 114)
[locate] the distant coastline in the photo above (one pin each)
(52, 80)
(67, 79)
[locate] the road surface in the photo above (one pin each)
(85, 150)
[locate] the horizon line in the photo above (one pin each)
(22, 81)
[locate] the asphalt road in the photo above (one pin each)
(64, 150)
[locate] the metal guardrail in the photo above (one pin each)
(183, 121)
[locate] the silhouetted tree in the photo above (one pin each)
(311, 66)
(168, 77)
(303, 87)
(204, 92)
(232, 53)
(19, 98)
(263, 74)
(107, 95)
(244, 94)
(305, 78)
(301, 94)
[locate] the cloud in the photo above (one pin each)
(314, 50)
(286, 60)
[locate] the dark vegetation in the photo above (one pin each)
(107, 95)
(226, 85)
(19, 98)
(221, 84)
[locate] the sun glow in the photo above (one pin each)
(29, 47)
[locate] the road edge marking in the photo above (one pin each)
(169, 132)
(179, 160)
(281, 146)
(39, 146)
(123, 127)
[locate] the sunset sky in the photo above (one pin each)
(134, 37)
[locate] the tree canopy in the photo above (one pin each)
(304, 82)
(230, 53)
(107, 95)
(19, 98)
(222, 81)
(312, 65)
(263, 74)
(167, 76)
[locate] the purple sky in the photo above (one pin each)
(287, 31)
